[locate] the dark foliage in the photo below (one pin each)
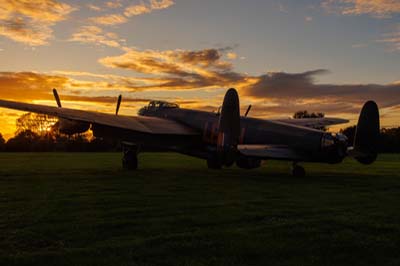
(389, 138)
(306, 114)
(28, 141)
(2, 143)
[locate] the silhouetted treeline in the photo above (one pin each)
(389, 139)
(306, 114)
(28, 141)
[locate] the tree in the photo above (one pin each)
(306, 114)
(39, 124)
(23, 141)
(349, 132)
(2, 143)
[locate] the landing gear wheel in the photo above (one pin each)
(130, 159)
(213, 164)
(298, 171)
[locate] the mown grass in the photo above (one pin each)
(83, 209)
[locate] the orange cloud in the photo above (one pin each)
(94, 7)
(114, 4)
(142, 8)
(112, 19)
(375, 8)
(161, 4)
(28, 85)
(136, 10)
(180, 69)
(30, 22)
(95, 35)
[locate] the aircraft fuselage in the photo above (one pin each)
(316, 145)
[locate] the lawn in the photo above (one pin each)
(83, 209)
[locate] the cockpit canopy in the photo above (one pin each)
(157, 105)
(162, 104)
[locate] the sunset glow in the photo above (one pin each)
(282, 56)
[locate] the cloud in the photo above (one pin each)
(95, 35)
(302, 89)
(94, 7)
(30, 22)
(114, 4)
(136, 10)
(143, 8)
(28, 85)
(205, 69)
(392, 39)
(112, 19)
(231, 55)
(375, 8)
(129, 11)
(180, 69)
(161, 4)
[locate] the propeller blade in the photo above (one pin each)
(229, 128)
(365, 148)
(247, 111)
(118, 104)
(55, 93)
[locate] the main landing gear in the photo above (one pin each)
(130, 157)
(298, 171)
(214, 163)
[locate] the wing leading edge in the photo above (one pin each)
(150, 125)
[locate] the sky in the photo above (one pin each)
(281, 55)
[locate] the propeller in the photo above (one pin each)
(55, 93)
(229, 128)
(118, 104)
(365, 147)
(247, 111)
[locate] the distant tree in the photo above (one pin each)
(390, 140)
(2, 143)
(23, 141)
(39, 124)
(349, 132)
(306, 114)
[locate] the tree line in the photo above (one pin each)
(36, 133)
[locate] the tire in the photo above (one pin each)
(130, 161)
(298, 171)
(213, 164)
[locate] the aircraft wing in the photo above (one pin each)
(143, 124)
(314, 122)
(276, 152)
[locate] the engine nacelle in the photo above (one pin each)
(70, 127)
(248, 163)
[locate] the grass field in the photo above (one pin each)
(83, 209)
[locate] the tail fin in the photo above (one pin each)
(365, 148)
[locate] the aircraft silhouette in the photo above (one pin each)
(221, 138)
